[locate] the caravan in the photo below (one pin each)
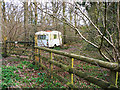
(49, 38)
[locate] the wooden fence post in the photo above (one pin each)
(51, 66)
(113, 78)
(39, 54)
(5, 47)
(116, 79)
(36, 50)
(117, 74)
(40, 58)
(72, 73)
(33, 49)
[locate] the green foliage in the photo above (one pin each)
(4, 55)
(20, 66)
(9, 77)
(25, 62)
(35, 67)
(61, 48)
(57, 48)
(94, 71)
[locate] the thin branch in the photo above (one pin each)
(104, 56)
(96, 27)
(109, 53)
(109, 42)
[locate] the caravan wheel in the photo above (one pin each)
(55, 45)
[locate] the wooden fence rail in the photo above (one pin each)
(105, 64)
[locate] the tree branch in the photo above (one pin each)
(96, 27)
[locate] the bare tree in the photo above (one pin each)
(64, 25)
(4, 19)
(36, 16)
(75, 20)
(26, 19)
(118, 26)
(0, 21)
(31, 12)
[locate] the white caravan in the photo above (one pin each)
(49, 38)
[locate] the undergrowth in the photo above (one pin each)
(12, 78)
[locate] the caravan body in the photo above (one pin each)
(49, 38)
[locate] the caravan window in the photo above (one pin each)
(55, 36)
(41, 36)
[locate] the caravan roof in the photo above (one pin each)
(46, 32)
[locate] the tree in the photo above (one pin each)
(4, 19)
(75, 21)
(64, 25)
(36, 16)
(26, 20)
(31, 13)
(54, 10)
(0, 21)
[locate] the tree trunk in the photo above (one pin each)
(4, 20)
(0, 21)
(75, 21)
(70, 12)
(64, 26)
(25, 20)
(31, 14)
(41, 15)
(53, 23)
(36, 16)
(118, 25)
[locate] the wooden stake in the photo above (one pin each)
(51, 65)
(5, 47)
(116, 79)
(36, 50)
(72, 73)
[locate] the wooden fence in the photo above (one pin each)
(18, 48)
(113, 67)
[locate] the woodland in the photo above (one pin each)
(89, 56)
